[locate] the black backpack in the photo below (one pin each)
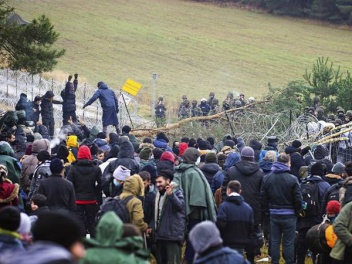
(311, 199)
(117, 206)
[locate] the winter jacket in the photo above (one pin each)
(257, 147)
(110, 247)
(265, 150)
(162, 144)
(102, 144)
(47, 107)
(69, 98)
(11, 163)
(30, 163)
(209, 170)
(171, 223)
(221, 256)
(331, 194)
(265, 166)
(41, 252)
(332, 179)
(297, 160)
(108, 102)
(250, 176)
(25, 105)
(343, 230)
(8, 193)
(217, 180)
(59, 192)
(133, 140)
(126, 159)
(134, 186)
(235, 222)
(36, 110)
(10, 242)
(281, 190)
(85, 176)
(199, 198)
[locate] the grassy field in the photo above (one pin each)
(195, 48)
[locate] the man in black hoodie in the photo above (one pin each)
(48, 111)
(248, 173)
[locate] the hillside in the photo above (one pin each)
(195, 48)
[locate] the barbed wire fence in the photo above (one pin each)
(13, 83)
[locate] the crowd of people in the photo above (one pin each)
(94, 197)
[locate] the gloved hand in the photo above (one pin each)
(76, 76)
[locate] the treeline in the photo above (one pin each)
(336, 11)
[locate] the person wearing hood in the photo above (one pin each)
(133, 186)
(69, 100)
(48, 111)
(109, 104)
(10, 239)
(297, 160)
(101, 142)
(85, 176)
(199, 200)
(8, 190)
(26, 105)
(169, 211)
(207, 243)
(267, 161)
(110, 245)
(72, 146)
(210, 167)
(257, 147)
(220, 144)
(248, 173)
(126, 159)
(235, 219)
(320, 154)
(161, 141)
(126, 132)
(281, 196)
(112, 139)
(10, 162)
(272, 145)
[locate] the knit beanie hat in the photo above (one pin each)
(182, 148)
(126, 129)
(320, 152)
(10, 218)
(168, 174)
(25, 224)
(152, 171)
(247, 153)
(317, 169)
(167, 155)
(58, 227)
(296, 144)
(84, 153)
(28, 150)
(202, 145)
(56, 166)
(3, 171)
(204, 236)
(255, 144)
(211, 157)
(145, 153)
(338, 168)
(191, 155)
(121, 173)
(43, 156)
(157, 152)
(333, 207)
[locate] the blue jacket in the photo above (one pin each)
(9, 243)
(161, 143)
(223, 255)
(236, 222)
(108, 102)
(172, 221)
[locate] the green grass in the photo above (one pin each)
(195, 48)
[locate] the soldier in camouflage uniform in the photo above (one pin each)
(228, 103)
(216, 107)
(184, 100)
(185, 110)
(160, 110)
(195, 110)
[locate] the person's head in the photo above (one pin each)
(333, 208)
(3, 172)
(191, 155)
(273, 141)
(167, 156)
(10, 218)
(157, 152)
(84, 153)
(348, 168)
(126, 129)
(43, 156)
(37, 100)
(270, 156)
(10, 137)
(60, 228)
(284, 158)
(163, 179)
(247, 153)
(204, 236)
(151, 170)
(57, 166)
(317, 169)
(338, 169)
(146, 178)
(130, 230)
(38, 201)
(211, 157)
(145, 153)
(100, 154)
(120, 174)
(233, 187)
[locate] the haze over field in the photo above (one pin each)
(195, 48)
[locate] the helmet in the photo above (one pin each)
(160, 98)
(212, 94)
(251, 99)
(194, 101)
(242, 94)
(203, 100)
(184, 96)
(230, 94)
(349, 113)
(186, 102)
(215, 101)
(341, 110)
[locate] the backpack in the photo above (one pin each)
(42, 172)
(117, 206)
(311, 199)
